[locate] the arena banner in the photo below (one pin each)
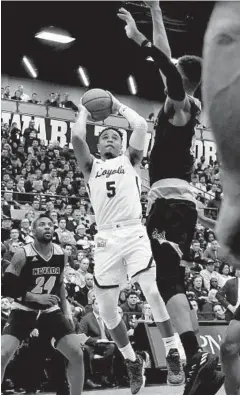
(148, 338)
(52, 129)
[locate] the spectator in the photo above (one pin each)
(6, 93)
(215, 204)
(30, 215)
(26, 236)
(14, 237)
(24, 96)
(219, 312)
(34, 99)
(29, 134)
(62, 229)
(54, 217)
(202, 184)
(83, 296)
(36, 206)
(6, 161)
(66, 103)
(224, 270)
(196, 256)
(6, 228)
(82, 270)
(214, 252)
(213, 190)
(9, 204)
(15, 134)
(147, 313)
(229, 296)
(210, 237)
(214, 288)
(17, 96)
(97, 343)
(34, 148)
(81, 237)
(200, 293)
(52, 101)
(131, 309)
(208, 273)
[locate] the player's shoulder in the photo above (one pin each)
(57, 249)
(28, 250)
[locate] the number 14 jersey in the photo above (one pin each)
(114, 189)
(41, 276)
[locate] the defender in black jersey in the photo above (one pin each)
(172, 212)
(34, 279)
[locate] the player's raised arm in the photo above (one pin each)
(80, 146)
(139, 126)
(175, 90)
(160, 39)
(11, 283)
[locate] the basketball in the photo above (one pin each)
(99, 103)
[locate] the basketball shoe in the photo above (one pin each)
(201, 375)
(176, 374)
(136, 372)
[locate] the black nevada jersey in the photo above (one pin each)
(41, 276)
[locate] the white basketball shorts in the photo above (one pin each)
(122, 251)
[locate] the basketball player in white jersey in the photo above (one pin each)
(122, 245)
(221, 95)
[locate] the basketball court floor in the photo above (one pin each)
(150, 390)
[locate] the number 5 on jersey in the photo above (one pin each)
(41, 285)
(111, 189)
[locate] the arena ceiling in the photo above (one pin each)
(101, 45)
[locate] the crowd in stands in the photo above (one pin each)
(55, 99)
(40, 178)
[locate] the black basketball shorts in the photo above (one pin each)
(176, 220)
(51, 325)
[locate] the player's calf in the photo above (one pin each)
(8, 349)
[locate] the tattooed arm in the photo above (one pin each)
(11, 282)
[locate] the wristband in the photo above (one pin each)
(146, 43)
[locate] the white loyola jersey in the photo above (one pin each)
(114, 189)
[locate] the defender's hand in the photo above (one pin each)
(152, 3)
(131, 28)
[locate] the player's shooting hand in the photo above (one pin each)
(82, 109)
(46, 299)
(116, 104)
(131, 28)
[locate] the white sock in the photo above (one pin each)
(128, 352)
(169, 342)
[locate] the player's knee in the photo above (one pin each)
(76, 356)
(6, 355)
(229, 349)
(149, 286)
(110, 315)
